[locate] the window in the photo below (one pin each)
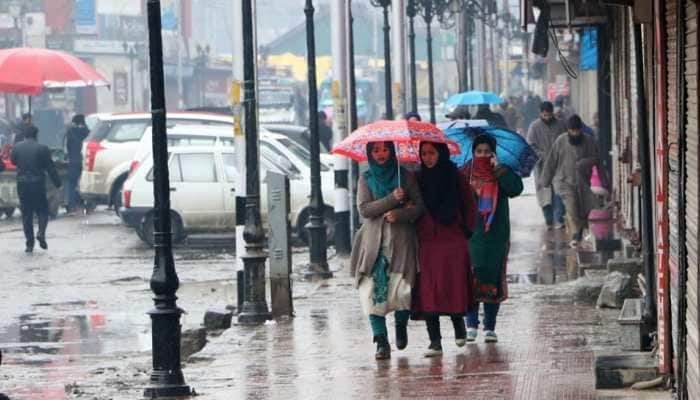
(173, 170)
(230, 166)
(198, 167)
(183, 140)
(300, 152)
(127, 131)
(280, 160)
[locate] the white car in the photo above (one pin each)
(193, 212)
(113, 139)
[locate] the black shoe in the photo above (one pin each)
(383, 349)
(29, 249)
(401, 336)
(42, 243)
(434, 350)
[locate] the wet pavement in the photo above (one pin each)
(73, 326)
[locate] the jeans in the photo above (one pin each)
(490, 314)
(72, 195)
(554, 213)
(32, 199)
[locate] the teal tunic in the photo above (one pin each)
(489, 250)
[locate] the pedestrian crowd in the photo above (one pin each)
(435, 241)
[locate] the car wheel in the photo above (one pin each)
(7, 212)
(145, 231)
(90, 206)
(116, 198)
(303, 220)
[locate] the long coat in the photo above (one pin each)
(445, 278)
(541, 136)
(368, 241)
(568, 169)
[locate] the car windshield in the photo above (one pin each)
(300, 152)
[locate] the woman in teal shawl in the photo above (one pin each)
(384, 259)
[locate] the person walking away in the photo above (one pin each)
(444, 285)
(23, 127)
(540, 136)
(75, 135)
(384, 257)
(325, 133)
(460, 112)
(493, 184)
(33, 161)
(494, 119)
(568, 168)
(509, 114)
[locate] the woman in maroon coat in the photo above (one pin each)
(444, 230)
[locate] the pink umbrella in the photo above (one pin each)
(29, 71)
(406, 136)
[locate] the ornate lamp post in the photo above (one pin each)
(166, 378)
(318, 261)
(411, 13)
(444, 11)
(384, 4)
(255, 309)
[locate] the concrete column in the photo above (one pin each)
(340, 124)
(399, 59)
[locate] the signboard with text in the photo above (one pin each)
(85, 16)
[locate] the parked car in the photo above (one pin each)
(108, 151)
(301, 135)
(194, 172)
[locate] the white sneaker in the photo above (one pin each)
(460, 342)
(472, 333)
(490, 337)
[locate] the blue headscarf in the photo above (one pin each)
(382, 179)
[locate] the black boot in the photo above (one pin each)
(383, 349)
(460, 330)
(401, 336)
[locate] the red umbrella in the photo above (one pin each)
(406, 136)
(29, 71)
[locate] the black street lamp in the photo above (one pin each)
(166, 378)
(318, 259)
(352, 89)
(411, 13)
(387, 56)
(201, 61)
(444, 11)
(132, 51)
(254, 309)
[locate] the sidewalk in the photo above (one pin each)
(545, 350)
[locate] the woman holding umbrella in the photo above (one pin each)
(445, 280)
(384, 258)
(493, 184)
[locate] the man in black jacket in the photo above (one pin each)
(75, 135)
(33, 161)
(23, 127)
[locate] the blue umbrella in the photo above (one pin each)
(511, 149)
(474, 97)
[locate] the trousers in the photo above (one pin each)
(33, 201)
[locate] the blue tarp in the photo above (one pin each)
(589, 49)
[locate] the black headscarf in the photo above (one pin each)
(440, 186)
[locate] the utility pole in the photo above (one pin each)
(179, 38)
(341, 164)
(398, 38)
(389, 108)
(352, 120)
(239, 145)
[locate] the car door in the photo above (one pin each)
(199, 194)
(229, 183)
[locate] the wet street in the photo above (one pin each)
(73, 325)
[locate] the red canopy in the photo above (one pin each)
(30, 71)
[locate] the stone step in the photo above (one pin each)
(615, 370)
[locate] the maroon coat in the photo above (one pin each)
(445, 267)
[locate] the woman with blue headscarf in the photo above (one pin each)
(384, 259)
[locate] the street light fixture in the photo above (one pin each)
(166, 378)
(255, 309)
(318, 258)
(384, 4)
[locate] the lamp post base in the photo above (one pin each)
(166, 391)
(254, 314)
(254, 310)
